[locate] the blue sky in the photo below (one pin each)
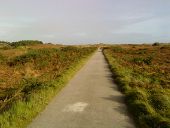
(85, 21)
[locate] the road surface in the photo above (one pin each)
(90, 100)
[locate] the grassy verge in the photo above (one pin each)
(147, 100)
(37, 94)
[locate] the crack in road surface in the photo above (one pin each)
(90, 100)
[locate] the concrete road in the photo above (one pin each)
(90, 100)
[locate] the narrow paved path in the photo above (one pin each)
(90, 100)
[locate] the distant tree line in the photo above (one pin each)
(4, 42)
(22, 43)
(25, 43)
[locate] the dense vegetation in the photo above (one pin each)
(4, 42)
(142, 73)
(29, 79)
(25, 43)
(4, 45)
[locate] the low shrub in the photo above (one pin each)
(156, 44)
(2, 58)
(31, 84)
(30, 56)
(7, 47)
(139, 60)
(117, 49)
(148, 60)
